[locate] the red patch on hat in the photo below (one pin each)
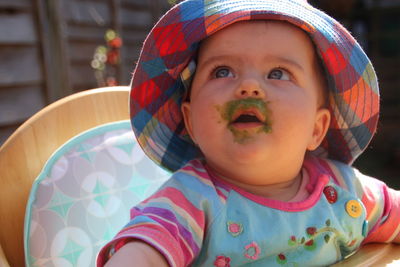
(169, 39)
(334, 60)
(142, 92)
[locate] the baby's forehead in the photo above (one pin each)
(247, 34)
(285, 38)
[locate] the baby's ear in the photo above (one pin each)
(321, 126)
(186, 112)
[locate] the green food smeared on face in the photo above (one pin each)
(229, 109)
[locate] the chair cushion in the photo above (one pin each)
(83, 195)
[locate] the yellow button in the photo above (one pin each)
(354, 208)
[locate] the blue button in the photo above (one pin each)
(365, 228)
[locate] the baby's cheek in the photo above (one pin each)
(292, 118)
(204, 125)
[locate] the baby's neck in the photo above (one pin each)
(284, 191)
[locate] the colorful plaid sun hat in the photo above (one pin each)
(157, 88)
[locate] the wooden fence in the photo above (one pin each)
(46, 48)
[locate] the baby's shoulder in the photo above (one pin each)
(336, 168)
(194, 182)
(344, 175)
(193, 174)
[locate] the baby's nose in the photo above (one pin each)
(250, 88)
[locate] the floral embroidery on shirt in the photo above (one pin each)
(311, 231)
(281, 259)
(222, 261)
(309, 241)
(234, 228)
(310, 245)
(252, 251)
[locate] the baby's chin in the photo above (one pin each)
(249, 153)
(256, 150)
(252, 147)
(252, 154)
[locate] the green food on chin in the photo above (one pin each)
(230, 108)
(244, 136)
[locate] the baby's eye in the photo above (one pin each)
(222, 72)
(279, 74)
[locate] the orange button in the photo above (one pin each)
(354, 208)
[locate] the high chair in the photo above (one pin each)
(25, 153)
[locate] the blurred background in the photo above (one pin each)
(53, 48)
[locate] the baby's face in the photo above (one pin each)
(254, 106)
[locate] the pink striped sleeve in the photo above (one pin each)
(172, 220)
(179, 201)
(387, 227)
(167, 221)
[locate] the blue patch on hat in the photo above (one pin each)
(187, 10)
(141, 119)
(360, 132)
(178, 152)
(154, 67)
(358, 60)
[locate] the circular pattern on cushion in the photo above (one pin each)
(83, 196)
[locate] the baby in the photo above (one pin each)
(260, 107)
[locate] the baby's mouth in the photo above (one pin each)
(247, 118)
